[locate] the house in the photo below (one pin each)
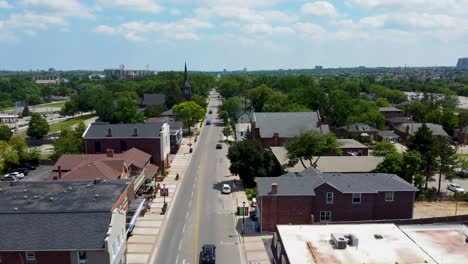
(153, 99)
(405, 130)
(311, 197)
(176, 130)
(169, 114)
(63, 222)
(243, 124)
(395, 121)
(351, 147)
(275, 129)
(152, 138)
(390, 112)
(387, 136)
(359, 131)
(350, 164)
(131, 164)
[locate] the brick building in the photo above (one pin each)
(276, 129)
(405, 130)
(358, 131)
(390, 112)
(310, 196)
(152, 138)
(64, 222)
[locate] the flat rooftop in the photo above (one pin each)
(444, 243)
(350, 143)
(393, 247)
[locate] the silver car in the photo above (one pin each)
(455, 187)
(15, 174)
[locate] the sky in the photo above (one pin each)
(212, 35)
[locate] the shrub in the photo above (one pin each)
(251, 193)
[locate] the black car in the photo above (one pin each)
(219, 146)
(28, 166)
(208, 254)
(25, 171)
(210, 112)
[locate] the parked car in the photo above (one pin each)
(208, 254)
(29, 166)
(226, 189)
(455, 187)
(462, 172)
(16, 174)
(210, 112)
(254, 202)
(9, 177)
(25, 171)
(219, 146)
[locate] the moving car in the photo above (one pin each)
(208, 122)
(226, 189)
(210, 112)
(208, 254)
(15, 174)
(455, 187)
(219, 146)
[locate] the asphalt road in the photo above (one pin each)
(201, 214)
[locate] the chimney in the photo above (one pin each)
(110, 153)
(60, 172)
(109, 132)
(135, 132)
(274, 188)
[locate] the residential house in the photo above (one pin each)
(405, 130)
(359, 131)
(152, 138)
(387, 136)
(169, 113)
(351, 147)
(392, 122)
(276, 129)
(390, 112)
(132, 164)
(243, 124)
(176, 130)
(64, 222)
(311, 196)
(153, 99)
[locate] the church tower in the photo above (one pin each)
(187, 86)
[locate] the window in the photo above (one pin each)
(325, 216)
(329, 198)
(389, 196)
(30, 255)
(123, 145)
(356, 198)
(82, 258)
(97, 146)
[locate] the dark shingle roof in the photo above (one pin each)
(360, 127)
(101, 130)
(169, 112)
(153, 99)
(399, 119)
(389, 109)
(386, 133)
(305, 182)
(288, 124)
(436, 130)
(57, 215)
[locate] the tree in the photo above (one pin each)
(250, 160)
(381, 149)
(154, 110)
(229, 87)
(446, 159)
(310, 145)
(38, 126)
(231, 107)
(411, 166)
(8, 156)
(127, 109)
(259, 95)
(19, 145)
(69, 142)
(382, 102)
(26, 111)
(189, 112)
(391, 164)
(5, 132)
(423, 142)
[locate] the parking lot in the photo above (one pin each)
(462, 182)
(39, 174)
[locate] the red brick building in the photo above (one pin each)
(311, 196)
(152, 138)
(276, 129)
(390, 112)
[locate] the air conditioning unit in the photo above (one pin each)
(339, 240)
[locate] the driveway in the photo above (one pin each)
(39, 174)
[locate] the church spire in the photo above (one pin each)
(187, 86)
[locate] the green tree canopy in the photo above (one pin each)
(38, 126)
(382, 149)
(391, 164)
(69, 142)
(309, 145)
(5, 132)
(8, 156)
(382, 102)
(423, 142)
(189, 112)
(446, 159)
(231, 106)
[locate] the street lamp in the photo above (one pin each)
(243, 218)
(164, 192)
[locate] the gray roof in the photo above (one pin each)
(359, 127)
(436, 130)
(288, 124)
(387, 134)
(399, 119)
(350, 143)
(169, 112)
(389, 109)
(243, 117)
(153, 99)
(101, 130)
(304, 183)
(57, 215)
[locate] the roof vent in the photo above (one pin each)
(96, 195)
(35, 196)
(16, 208)
(70, 188)
(378, 236)
(25, 190)
(135, 132)
(25, 197)
(97, 181)
(51, 199)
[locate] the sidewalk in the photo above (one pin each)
(252, 245)
(142, 245)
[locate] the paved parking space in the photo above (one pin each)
(39, 174)
(443, 188)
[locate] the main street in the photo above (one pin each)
(200, 213)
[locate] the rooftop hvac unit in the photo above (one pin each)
(353, 240)
(339, 240)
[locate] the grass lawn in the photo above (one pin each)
(68, 123)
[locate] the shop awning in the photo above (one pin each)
(151, 184)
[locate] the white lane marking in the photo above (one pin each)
(186, 215)
(180, 244)
(190, 203)
(177, 259)
(183, 229)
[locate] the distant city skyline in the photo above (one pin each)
(212, 35)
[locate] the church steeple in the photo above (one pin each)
(187, 86)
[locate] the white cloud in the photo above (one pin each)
(176, 12)
(146, 6)
(319, 8)
(29, 32)
(232, 3)
(310, 30)
(243, 14)
(278, 16)
(268, 29)
(4, 4)
(29, 20)
(105, 29)
(442, 6)
(61, 7)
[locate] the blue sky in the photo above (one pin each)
(230, 34)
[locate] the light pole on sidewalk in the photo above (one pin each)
(164, 193)
(243, 219)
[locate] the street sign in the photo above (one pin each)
(164, 192)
